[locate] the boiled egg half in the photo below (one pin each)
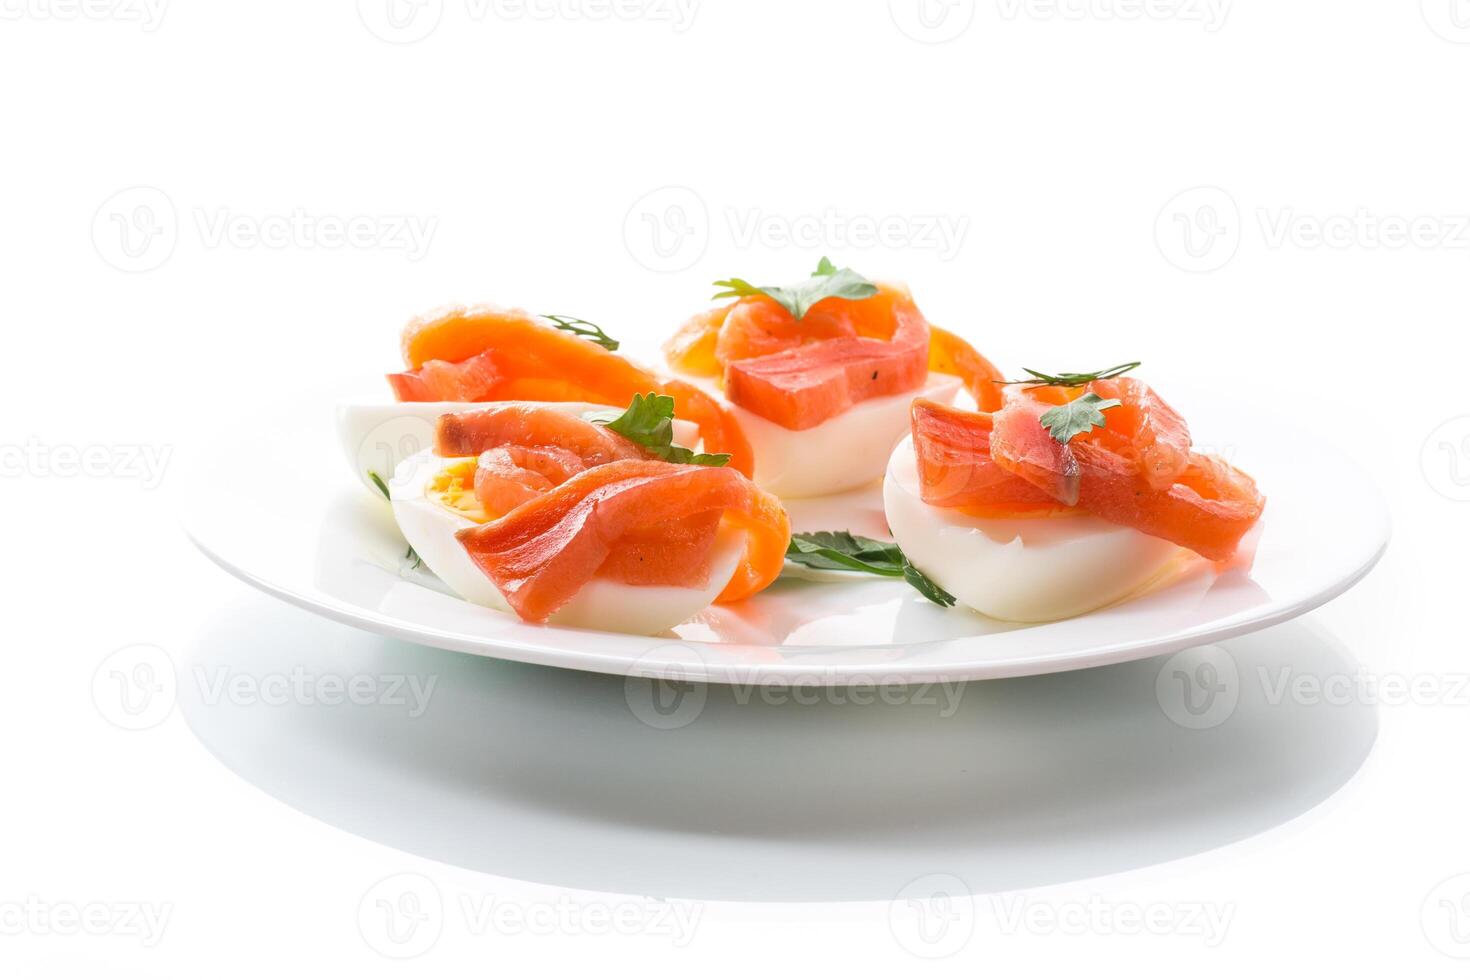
(433, 497)
(1026, 570)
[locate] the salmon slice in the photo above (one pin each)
(1144, 428)
(474, 432)
(952, 449)
(693, 349)
(950, 354)
(493, 354)
(1023, 447)
(709, 343)
(508, 476)
(471, 380)
(674, 552)
(806, 383)
(758, 326)
(1207, 505)
(526, 450)
(647, 513)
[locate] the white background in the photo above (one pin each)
(1321, 273)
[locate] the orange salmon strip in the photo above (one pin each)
(952, 448)
(473, 432)
(1207, 505)
(806, 381)
(526, 450)
(491, 354)
(543, 552)
(951, 354)
(709, 343)
(1143, 429)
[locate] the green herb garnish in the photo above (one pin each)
(383, 489)
(1068, 379)
(844, 550)
(582, 328)
(1077, 416)
(827, 281)
(649, 422)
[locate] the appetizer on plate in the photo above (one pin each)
(1060, 494)
(564, 513)
(820, 375)
(1079, 490)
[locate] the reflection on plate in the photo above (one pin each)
(770, 794)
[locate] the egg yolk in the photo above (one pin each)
(453, 488)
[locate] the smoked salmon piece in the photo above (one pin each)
(757, 326)
(1023, 447)
(1144, 428)
(673, 552)
(509, 476)
(800, 372)
(494, 354)
(952, 449)
(1008, 464)
(526, 450)
(950, 354)
(807, 381)
(474, 432)
(692, 348)
(645, 520)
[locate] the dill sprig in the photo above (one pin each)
(1070, 379)
(582, 328)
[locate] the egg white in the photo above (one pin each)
(601, 604)
(378, 437)
(1029, 570)
(846, 451)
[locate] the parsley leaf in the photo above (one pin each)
(1071, 379)
(927, 587)
(853, 552)
(582, 328)
(845, 550)
(649, 422)
(1077, 416)
(826, 281)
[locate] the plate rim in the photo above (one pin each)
(788, 673)
(619, 654)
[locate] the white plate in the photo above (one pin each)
(272, 503)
